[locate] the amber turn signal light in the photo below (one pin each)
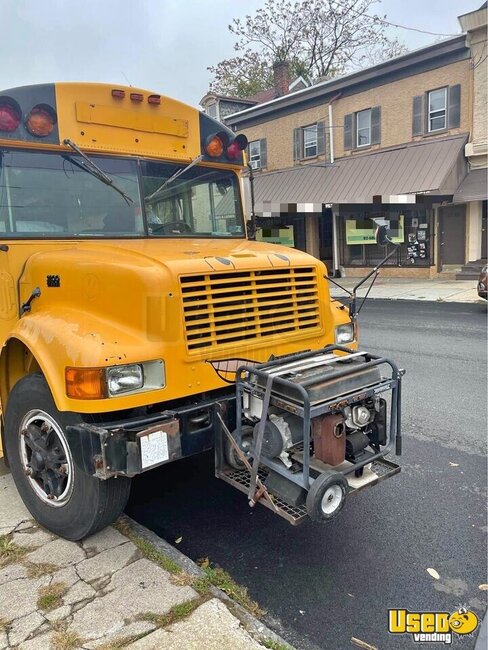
(40, 121)
(214, 146)
(86, 383)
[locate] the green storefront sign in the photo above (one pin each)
(282, 236)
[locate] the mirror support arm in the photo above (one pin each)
(377, 267)
(353, 312)
(251, 232)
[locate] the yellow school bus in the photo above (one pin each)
(130, 294)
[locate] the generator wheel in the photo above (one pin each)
(244, 441)
(326, 496)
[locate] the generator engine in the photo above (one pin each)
(335, 437)
(313, 428)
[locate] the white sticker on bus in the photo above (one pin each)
(154, 448)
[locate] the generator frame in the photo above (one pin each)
(250, 479)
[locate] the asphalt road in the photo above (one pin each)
(323, 585)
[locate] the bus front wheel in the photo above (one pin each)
(59, 496)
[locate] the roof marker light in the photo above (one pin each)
(154, 99)
(119, 94)
(9, 117)
(215, 144)
(137, 97)
(40, 121)
(236, 147)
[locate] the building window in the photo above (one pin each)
(212, 110)
(363, 128)
(255, 154)
(309, 134)
(309, 141)
(437, 109)
(411, 229)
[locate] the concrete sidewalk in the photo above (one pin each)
(111, 591)
(436, 290)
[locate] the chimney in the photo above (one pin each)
(281, 72)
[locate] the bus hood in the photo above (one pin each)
(184, 256)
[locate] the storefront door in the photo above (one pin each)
(452, 238)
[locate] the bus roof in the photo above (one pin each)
(106, 118)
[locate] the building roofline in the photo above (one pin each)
(297, 81)
(324, 88)
(474, 11)
(229, 97)
(476, 19)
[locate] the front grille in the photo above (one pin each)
(226, 308)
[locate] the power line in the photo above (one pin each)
(377, 19)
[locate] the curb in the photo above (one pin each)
(256, 628)
(435, 301)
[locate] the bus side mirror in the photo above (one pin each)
(382, 236)
(251, 229)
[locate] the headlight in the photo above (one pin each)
(123, 379)
(344, 333)
(99, 383)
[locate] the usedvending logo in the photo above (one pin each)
(432, 627)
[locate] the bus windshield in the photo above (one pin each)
(199, 201)
(51, 195)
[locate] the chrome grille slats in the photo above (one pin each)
(226, 307)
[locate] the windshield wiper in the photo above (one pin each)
(89, 166)
(172, 178)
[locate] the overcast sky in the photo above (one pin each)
(160, 45)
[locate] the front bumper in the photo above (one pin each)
(134, 445)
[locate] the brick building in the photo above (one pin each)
(404, 142)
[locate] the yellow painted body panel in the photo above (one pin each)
(128, 300)
(91, 117)
(121, 302)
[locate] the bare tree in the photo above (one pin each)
(320, 39)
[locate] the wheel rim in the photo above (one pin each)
(245, 447)
(332, 499)
(246, 444)
(46, 458)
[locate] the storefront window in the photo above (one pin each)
(410, 227)
(288, 229)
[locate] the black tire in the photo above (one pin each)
(230, 453)
(90, 504)
(336, 484)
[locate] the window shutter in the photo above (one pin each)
(418, 115)
(376, 125)
(296, 144)
(263, 152)
(454, 106)
(348, 131)
(320, 138)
